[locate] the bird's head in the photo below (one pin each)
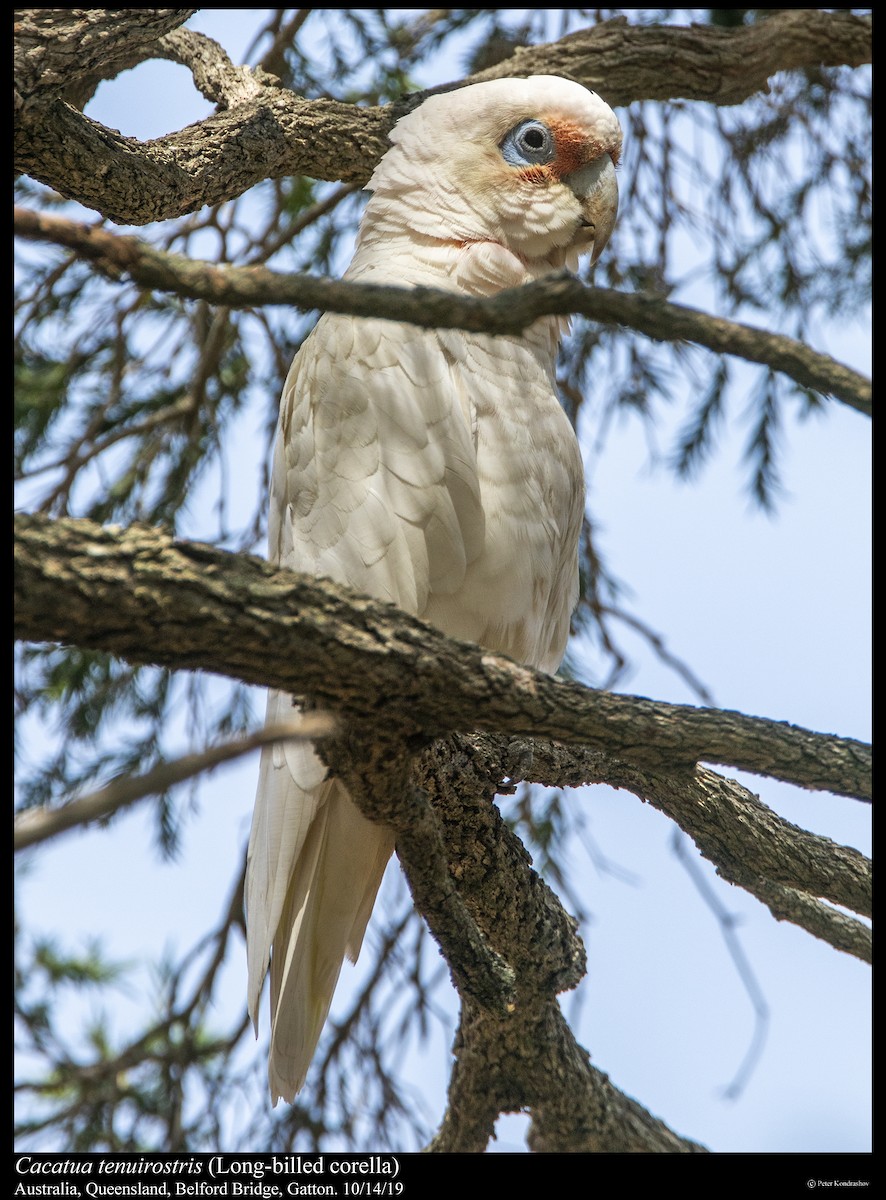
(528, 164)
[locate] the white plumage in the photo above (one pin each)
(434, 469)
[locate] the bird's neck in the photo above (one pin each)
(473, 266)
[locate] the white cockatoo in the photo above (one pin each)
(432, 468)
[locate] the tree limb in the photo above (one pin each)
(626, 62)
(37, 824)
(393, 681)
(837, 929)
(67, 52)
(733, 828)
(509, 312)
(143, 595)
(525, 1056)
(533, 1061)
(528, 1058)
(277, 133)
(376, 767)
(790, 870)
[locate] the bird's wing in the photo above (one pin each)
(374, 481)
(374, 485)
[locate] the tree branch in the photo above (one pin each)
(394, 682)
(528, 1057)
(143, 595)
(214, 75)
(837, 929)
(67, 52)
(37, 824)
(278, 133)
(509, 312)
(626, 62)
(787, 868)
(533, 1061)
(524, 1056)
(731, 826)
(376, 767)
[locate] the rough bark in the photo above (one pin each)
(510, 946)
(797, 874)
(57, 50)
(698, 62)
(397, 684)
(147, 597)
(275, 132)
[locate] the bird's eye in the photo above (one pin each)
(530, 142)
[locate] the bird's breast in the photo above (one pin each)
(519, 592)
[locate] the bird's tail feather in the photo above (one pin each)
(328, 904)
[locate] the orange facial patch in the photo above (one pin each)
(576, 147)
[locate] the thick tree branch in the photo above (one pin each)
(214, 75)
(837, 929)
(509, 942)
(510, 312)
(731, 826)
(143, 595)
(56, 51)
(279, 133)
(524, 1056)
(393, 683)
(514, 909)
(376, 766)
(577, 1109)
(626, 62)
(531, 1060)
(528, 1058)
(787, 868)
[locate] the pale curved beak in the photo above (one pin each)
(596, 189)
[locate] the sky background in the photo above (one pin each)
(772, 613)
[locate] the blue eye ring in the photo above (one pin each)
(530, 143)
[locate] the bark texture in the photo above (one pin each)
(264, 131)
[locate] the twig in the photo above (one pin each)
(37, 824)
(509, 312)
